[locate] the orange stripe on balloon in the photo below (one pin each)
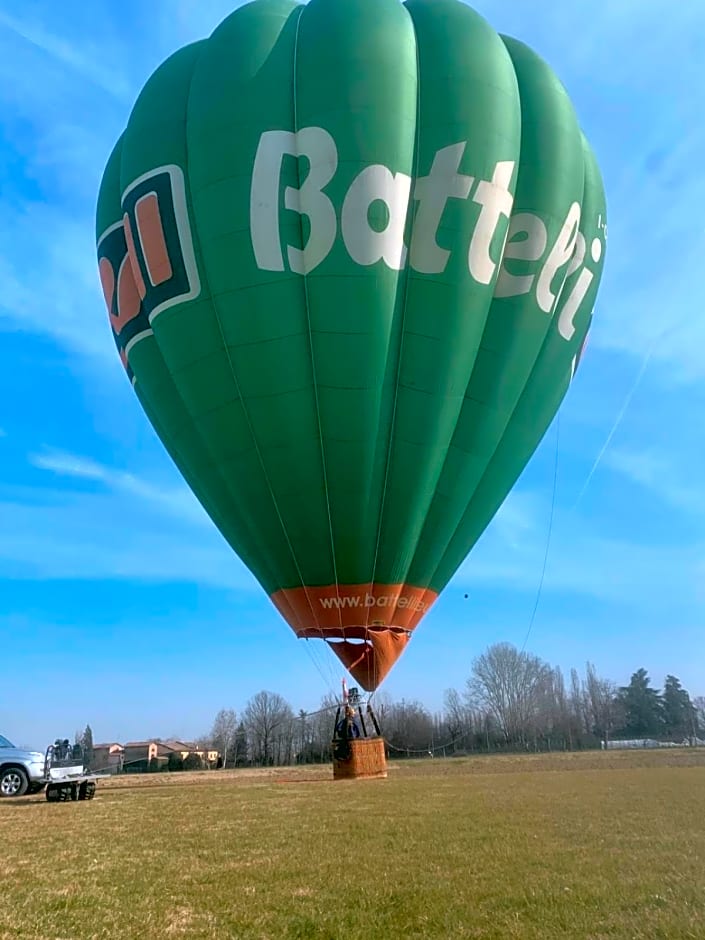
(334, 607)
(128, 300)
(132, 255)
(152, 239)
(107, 280)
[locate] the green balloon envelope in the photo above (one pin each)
(350, 252)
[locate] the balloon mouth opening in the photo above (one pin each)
(368, 653)
(355, 635)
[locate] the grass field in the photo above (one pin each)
(597, 845)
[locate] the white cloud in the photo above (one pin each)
(50, 282)
(585, 561)
(516, 518)
(609, 569)
(132, 529)
(652, 173)
(64, 542)
(89, 61)
(178, 502)
(59, 534)
(642, 115)
(47, 246)
(657, 471)
(183, 21)
(64, 100)
(64, 96)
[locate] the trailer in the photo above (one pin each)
(67, 777)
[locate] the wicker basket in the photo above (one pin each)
(367, 759)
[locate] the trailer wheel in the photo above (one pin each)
(56, 793)
(86, 790)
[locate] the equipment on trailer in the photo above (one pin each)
(358, 745)
(67, 776)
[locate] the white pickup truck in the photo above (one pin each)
(20, 771)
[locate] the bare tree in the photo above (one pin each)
(224, 733)
(699, 715)
(270, 727)
(409, 727)
(511, 685)
(602, 704)
(553, 712)
(457, 719)
(319, 732)
(579, 717)
(383, 705)
(303, 732)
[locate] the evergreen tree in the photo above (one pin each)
(678, 710)
(193, 762)
(175, 761)
(240, 746)
(87, 745)
(643, 707)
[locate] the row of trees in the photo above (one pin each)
(270, 733)
(529, 701)
(512, 700)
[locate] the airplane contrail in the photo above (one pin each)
(620, 416)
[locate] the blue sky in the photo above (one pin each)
(121, 605)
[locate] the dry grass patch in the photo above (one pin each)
(576, 847)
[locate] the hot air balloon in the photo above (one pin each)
(350, 252)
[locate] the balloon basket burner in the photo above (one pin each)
(358, 752)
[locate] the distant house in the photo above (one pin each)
(108, 758)
(209, 757)
(139, 752)
(141, 755)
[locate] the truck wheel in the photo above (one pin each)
(87, 790)
(13, 782)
